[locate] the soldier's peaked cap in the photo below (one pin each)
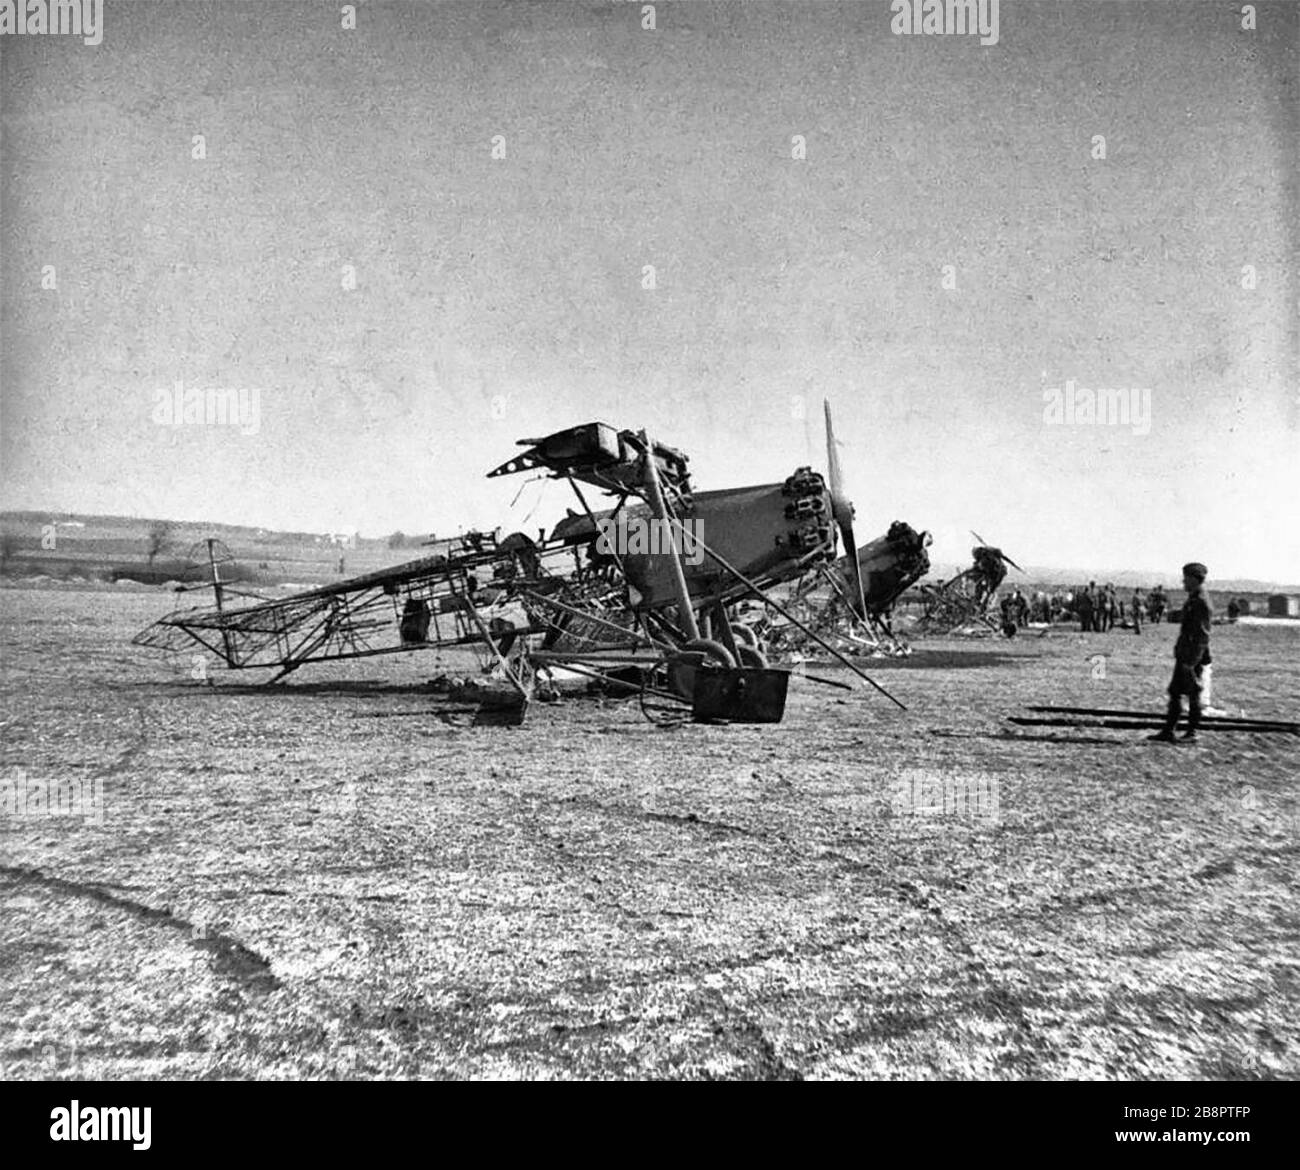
(1197, 570)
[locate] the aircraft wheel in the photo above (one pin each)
(681, 671)
(715, 650)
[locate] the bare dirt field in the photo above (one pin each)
(343, 877)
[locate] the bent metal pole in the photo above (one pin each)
(656, 499)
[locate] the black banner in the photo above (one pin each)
(1236, 1121)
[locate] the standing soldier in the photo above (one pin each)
(1083, 603)
(1191, 652)
(1019, 609)
(1088, 600)
(1137, 611)
(1157, 604)
(1008, 608)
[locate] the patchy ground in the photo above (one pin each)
(342, 878)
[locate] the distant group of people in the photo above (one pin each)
(1097, 608)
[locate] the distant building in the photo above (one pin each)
(1283, 605)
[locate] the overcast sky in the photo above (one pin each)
(501, 298)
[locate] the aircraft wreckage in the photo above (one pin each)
(655, 595)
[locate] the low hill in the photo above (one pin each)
(65, 544)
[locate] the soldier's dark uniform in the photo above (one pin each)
(1083, 605)
(1191, 652)
(1156, 605)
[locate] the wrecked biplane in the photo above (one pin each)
(595, 597)
(889, 566)
(963, 601)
